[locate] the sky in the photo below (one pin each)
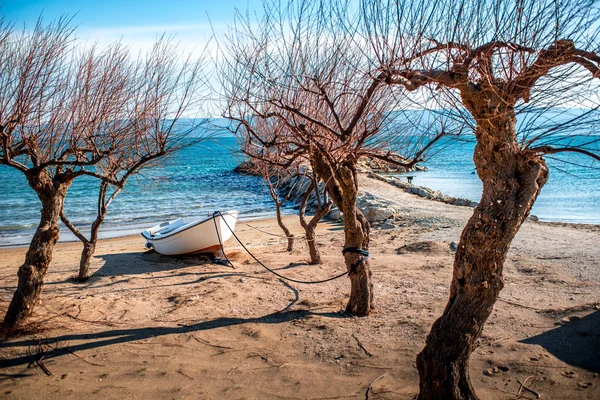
(138, 23)
(135, 22)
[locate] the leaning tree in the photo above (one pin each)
(163, 88)
(322, 207)
(522, 74)
(301, 68)
(66, 112)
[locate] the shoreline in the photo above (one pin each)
(437, 195)
(124, 231)
(113, 232)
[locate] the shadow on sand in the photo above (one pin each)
(89, 341)
(149, 261)
(577, 342)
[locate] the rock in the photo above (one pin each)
(533, 218)
(453, 246)
(375, 212)
(446, 199)
(387, 225)
(461, 202)
(401, 184)
(334, 215)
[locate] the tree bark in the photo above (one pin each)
(341, 182)
(89, 246)
(84, 263)
(511, 184)
(39, 255)
(310, 227)
(286, 231)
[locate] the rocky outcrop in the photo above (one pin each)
(423, 191)
(377, 211)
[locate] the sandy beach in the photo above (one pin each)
(156, 327)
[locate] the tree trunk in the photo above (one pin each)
(511, 184)
(31, 273)
(341, 182)
(357, 230)
(89, 247)
(84, 263)
(310, 227)
(313, 250)
(286, 231)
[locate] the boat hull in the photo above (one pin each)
(181, 237)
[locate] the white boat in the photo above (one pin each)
(191, 236)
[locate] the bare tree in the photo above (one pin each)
(66, 112)
(322, 208)
(285, 178)
(520, 72)
(276, 180)
(165, 87)
(302, 72)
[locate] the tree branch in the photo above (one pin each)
(72, 227)
(555, 150)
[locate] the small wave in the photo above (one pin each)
(16, 228)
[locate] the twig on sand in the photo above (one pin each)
(519, 305)
(524, 388)
(199, 340)
(41, 352)
(83, 359)
(76, 317)
(367, 352)
(122, 315)
(184, 374)
(370, 388)
(369, 366)
(40, 364)
(265, 358)
(495, 342)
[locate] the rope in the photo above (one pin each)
(269, 269)
(364, 253)
(269, 233)
(219, 260)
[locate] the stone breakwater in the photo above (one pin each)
(377, 211)
(424, 192)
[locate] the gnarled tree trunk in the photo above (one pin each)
(89, 246)
(286, 231)
(342, 185)
(511, 184)
(86, 257)
(323, 207)
(31, 274)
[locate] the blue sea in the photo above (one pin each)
(199, 180)
(193, 182)
(572, 193)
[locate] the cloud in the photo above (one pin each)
(143, 29)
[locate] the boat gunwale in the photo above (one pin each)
(185, 227)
